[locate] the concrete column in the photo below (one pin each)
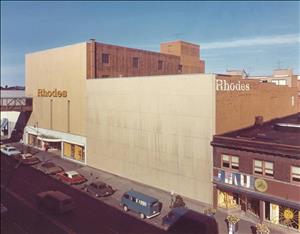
(261, 210)
(215, 197)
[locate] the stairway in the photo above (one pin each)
(17, 133)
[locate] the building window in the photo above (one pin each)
(295, 174)
(293, 100)
(105, 58)
(160, 64)
(180, 68)
(230, 161)
(263, 168)
(135, 62)
(279, 82)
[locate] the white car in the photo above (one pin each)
(10, 151)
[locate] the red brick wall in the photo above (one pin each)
(121, 65)
(281, 169)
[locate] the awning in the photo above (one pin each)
(260, 196)
(48, 138)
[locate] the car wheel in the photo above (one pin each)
(125, 208)
(142, 215)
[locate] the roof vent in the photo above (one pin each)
(259, 120)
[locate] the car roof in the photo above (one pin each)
(71, 173)
(59, 195)
(98, 183)
(10, 147)
(141, 196)
(192, 221)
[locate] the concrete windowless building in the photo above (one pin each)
(155, 130)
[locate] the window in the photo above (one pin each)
(160, 64)
(230, 161)
(279, 82)
(179, 68)
(263, 168)
(141, 202)
(295, 174)
(105, 58)
(135, 62)
(293, 100)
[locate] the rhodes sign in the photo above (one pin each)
(53, 93)
(224, 85)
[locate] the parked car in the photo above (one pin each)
(10, 151)
(71, 177)
(27, 159)
(55, 201)
(2, 145)
(50, 168)
(140, 203)
(183, 220)
(100, 189)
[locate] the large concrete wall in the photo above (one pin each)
(62, 69)
(237, 109)
(154, 130)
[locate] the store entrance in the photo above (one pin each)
(253, 206)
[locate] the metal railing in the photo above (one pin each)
(16, 104)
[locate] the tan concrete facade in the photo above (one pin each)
(154, 130)
(63, 69)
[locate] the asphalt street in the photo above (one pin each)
(20, 184)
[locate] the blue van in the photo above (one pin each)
(140, 203)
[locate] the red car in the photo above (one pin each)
(71, 177)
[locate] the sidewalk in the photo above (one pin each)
(122, 185)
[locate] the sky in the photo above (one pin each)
(255, 36)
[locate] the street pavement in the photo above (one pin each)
(121, 185)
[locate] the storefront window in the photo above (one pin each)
(282, 215)
(73, 151)
(227, 200)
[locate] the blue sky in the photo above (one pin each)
(255, 36)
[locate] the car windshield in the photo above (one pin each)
(154, 203)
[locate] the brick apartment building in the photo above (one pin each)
(178, 57)
(257, 170)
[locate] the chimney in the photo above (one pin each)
(259, 120)
(92, 59)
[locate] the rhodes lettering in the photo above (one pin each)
(53, 93)
(224, 85)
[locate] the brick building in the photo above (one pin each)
(178, 57)
(257, 170)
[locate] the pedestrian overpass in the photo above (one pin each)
(18, 104)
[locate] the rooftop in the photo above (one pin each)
(280, 136)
